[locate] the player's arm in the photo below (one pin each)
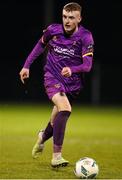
(37, 50)
(87, 55)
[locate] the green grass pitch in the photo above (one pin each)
(94, 132)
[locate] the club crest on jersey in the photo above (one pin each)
(57, 86)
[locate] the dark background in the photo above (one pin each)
(21, 25)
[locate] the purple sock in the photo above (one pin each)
(48, 133)
(59, 129)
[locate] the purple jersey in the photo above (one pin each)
(67, 51)
(74, 51)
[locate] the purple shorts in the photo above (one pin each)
(52, 85)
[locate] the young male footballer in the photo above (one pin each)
(70, 55)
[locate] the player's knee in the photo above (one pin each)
(69, 108)
(65, 107)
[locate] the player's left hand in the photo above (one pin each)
(66, 71)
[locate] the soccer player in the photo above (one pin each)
(70, 55)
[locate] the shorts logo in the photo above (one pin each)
(57, 86)
(55, 38)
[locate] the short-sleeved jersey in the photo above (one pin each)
(66, 51)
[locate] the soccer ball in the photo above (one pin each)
(86, 168)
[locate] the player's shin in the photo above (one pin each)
(59, 131)
(48, 133)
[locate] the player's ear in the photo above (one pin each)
(80, 19)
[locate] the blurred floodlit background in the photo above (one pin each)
(22, 23)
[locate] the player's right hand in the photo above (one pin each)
(24, 74)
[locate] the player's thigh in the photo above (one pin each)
(53, 114)
(61, 101)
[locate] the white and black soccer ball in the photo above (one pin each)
(86, 168)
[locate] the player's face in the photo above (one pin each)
(71, 19)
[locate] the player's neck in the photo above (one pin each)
(71, 32)
(76, 29)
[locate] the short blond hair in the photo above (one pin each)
(72, 6)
